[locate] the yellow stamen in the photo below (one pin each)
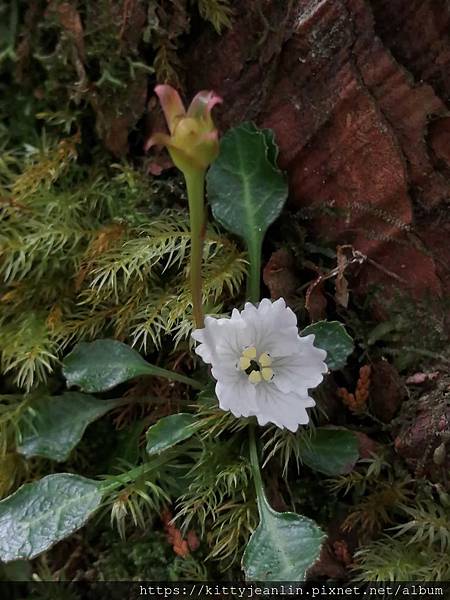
(257, 369)
(244, 363)
(255, 377)
(267, 373)
(250, 352)
(265, 360)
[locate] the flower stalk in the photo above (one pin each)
(254, 461)
(254, 276)
(193, 145)
(195, 185)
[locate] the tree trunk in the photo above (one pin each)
(357, 93)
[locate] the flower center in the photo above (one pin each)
(258, 368)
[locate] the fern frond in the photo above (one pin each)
(163, 242)
(286, 445)
(46, 169)
(359, 480)
(167, 64)
(230, 532)
(219, 475)
(429, 524)
(388, 560)
(214, 422)
(217, 12)
(391, 559)
(377, 509)
(224, 270)
(139, 501)
(81, 258)
(151, 319)
(28, 349)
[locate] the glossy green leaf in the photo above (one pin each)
(101, 365)
(41, 513)
(169, 431)
(283, 546)
(330, 451)
(54, 425)
(332, 337)
(246, 189)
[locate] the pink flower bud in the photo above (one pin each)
(193, 143)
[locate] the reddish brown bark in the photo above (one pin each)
(359, 107)
(424, 435)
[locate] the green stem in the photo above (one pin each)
(254, 276)
(253, 294)
(171, 376)
(254, 460)
(133, 474)
(195, 184)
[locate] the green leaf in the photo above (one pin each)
(41, 513)
(246, 189)
(54, 425)
(330, 451)
(168, 431)
(332, 337)
(283, 546)
(101, 365)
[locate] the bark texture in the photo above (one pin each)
(357, 93)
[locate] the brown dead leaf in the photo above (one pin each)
(31, 21)
(342, 552)
(192, 540)
(315, 298)
(341, 296)
(114, 125)
(280, 277)
(386, 390)
(133, 17)
(367, 447)
(316, 302)
(70, 20)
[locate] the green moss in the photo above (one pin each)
(136, 560)
(87, 253)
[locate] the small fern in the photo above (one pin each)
(390, 559)
(220, 499)
(429, 524)
(379, 507)
(230, 531)
(380, 489)
(139, 502)
(285, 445)
(217, 12)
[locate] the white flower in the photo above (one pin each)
(262, 366)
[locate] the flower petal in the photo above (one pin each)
(274, 327)
(202, 105)
(221, 340)
(288, 365)
(284, 410)
(237, 396)
(301, 370)
(171, 104)
(157, 139)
